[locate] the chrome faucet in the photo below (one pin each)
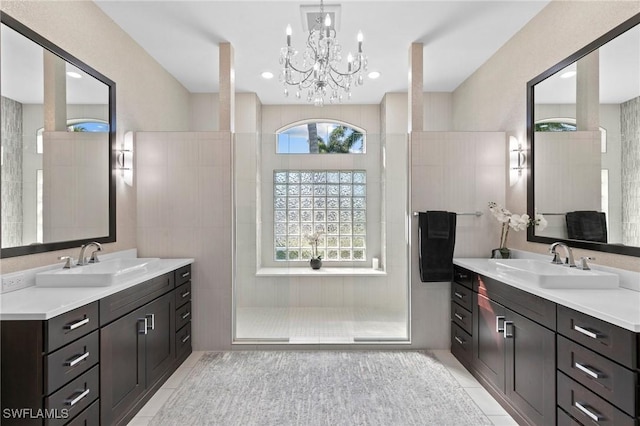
(94, 254)
(556, 257)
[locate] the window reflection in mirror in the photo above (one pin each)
(585, 137)
(56, 148)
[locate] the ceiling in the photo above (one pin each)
(458, 37)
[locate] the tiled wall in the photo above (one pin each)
(459, 172)
(12, 221)
(184, 207)
(630, 122)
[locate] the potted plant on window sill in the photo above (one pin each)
(316, 259)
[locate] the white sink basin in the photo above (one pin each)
(548, 275)
(101, 274)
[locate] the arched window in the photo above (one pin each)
(321, 137)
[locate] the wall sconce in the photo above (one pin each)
(124, 159)
(517, 155)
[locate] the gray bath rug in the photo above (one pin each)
(264, 388)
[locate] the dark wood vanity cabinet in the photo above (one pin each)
(98, 364)
(545, 363)
(512, 355)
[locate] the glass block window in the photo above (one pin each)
(330, 202)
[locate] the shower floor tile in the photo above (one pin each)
(319, 325)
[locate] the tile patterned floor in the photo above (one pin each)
(487, 404)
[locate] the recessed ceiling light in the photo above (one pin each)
(374, 74)
(568, 74)
(267, 75)
(73, 74)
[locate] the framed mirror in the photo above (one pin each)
(58, 146)
(583, 126)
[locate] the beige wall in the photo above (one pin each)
(559, 30)
(148, 98)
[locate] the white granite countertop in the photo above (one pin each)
(620, 306)
(43, 303)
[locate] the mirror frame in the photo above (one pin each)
(111, 237)
(604, 247)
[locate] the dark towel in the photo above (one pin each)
(438, 224)
(436, 253)
(587, 225)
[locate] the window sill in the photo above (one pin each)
(327, 271)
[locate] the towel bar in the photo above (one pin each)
(476, 213)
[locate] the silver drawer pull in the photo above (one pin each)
(187, 337)
(186, 315)
(459, 340)
(596, 417)
(185, 294)
(499, 328)
(459, 295)
(76, 324)
(151, 321)
(142, 326)
(74, 401)
(586, 332)
(77, 359)
(593, 373)
(186, 274)
(506, 333)
(457, 315)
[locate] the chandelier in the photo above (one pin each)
(320, 71)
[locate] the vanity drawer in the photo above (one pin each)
(587, 407)
(463, 276)
(125, 301)
(183, 316)
(461, 344)
(462, 317)
(70, 326)
(72, 360)
(566, 420)
(89, 417)
(462, 295)
(75, 396)
(183, 294)
(183, 275)
(609, 380)
(183, 340)
(607, 339)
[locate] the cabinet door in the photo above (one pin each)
(488, 342)
(530, 368)
(122, 368)
(160, 343)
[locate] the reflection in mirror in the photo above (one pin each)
(57, 135)
(584, 130)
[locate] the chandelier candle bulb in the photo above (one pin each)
(289, 32)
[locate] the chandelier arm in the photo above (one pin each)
(293, 67)
(347, 74)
